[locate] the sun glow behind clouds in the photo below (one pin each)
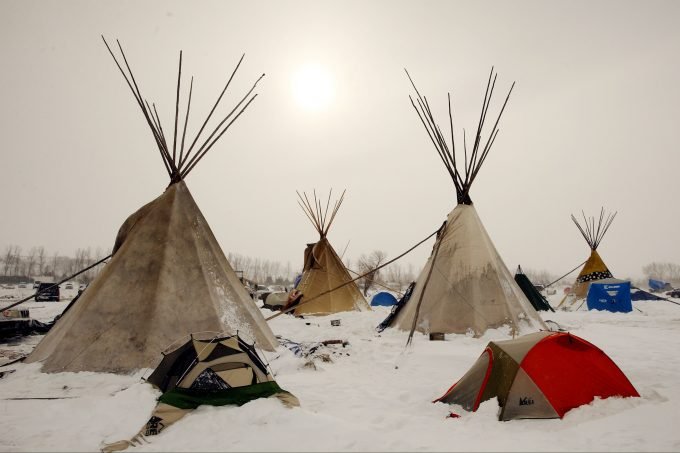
(312, 87)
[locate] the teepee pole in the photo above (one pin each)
(181, 164)
(186, 119)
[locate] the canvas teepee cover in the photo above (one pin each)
(594, 269)
(323, 269)
(464, 286)
(168, 277)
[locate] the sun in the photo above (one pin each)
(312, 87)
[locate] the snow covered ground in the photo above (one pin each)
(374, 394)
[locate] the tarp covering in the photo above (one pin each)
(639, 294)
(536, 298)
(610, 296)
(658, 285)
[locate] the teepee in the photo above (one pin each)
(168, 276)
(464, 287)
(323, 270)
(594, 269)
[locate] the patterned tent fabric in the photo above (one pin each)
(216, 371)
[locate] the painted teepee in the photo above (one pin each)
(594, 269)
(168, 276)
(464, 287)
(325, 281)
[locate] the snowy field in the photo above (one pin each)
(374, 394)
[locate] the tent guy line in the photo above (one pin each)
(350, 281)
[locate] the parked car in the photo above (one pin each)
(674, 293)
(260, 292)
(82, 287)
(22, 285)
(68, 286)
(47, 292)
(36, 285)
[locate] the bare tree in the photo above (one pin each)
(668, 272)
(42, 258)
(8, 258)
(368, 265)
(31, 259)
(16, 260)
(55, 259)
(539, 277)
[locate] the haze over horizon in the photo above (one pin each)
(592, 122)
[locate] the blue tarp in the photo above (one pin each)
(383, 299)
(658, 285)
(643, 295)
(610, 297)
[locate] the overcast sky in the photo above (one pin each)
(593, 121)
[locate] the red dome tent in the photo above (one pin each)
(540, 375)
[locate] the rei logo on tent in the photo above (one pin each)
(526, 401)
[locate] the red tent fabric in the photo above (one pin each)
(540, 375)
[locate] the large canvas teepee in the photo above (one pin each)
(168, 276)
(323, 269)
(594, 269)
(464, 287)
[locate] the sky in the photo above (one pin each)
(592, 122)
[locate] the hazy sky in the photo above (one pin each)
(593, 121)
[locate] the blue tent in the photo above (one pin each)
(658, 285)
(610, 295)
(383, 299)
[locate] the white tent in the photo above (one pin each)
(464, 287)
(168, 277)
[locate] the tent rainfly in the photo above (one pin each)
(464, 286)
(539, 302)
(594, 269)
(168, 276)
(216, 371)
(323, 269)
(540, 375)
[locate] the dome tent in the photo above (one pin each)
(539, 375)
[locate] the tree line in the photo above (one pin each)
(17, 265)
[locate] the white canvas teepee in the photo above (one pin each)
(464, 287)
(168, 277)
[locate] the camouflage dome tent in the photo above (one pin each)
(540, 375)
(464, 285)
(214, 371)
(323, 269)
(168, 275)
